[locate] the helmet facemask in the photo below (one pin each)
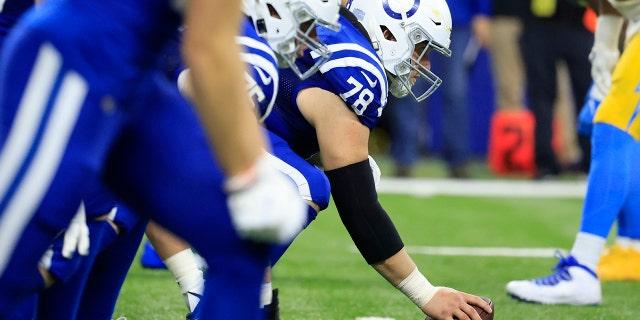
(400, 80)
(291, 29)
(306, 22)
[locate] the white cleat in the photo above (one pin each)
(572, 283)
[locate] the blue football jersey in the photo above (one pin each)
(354, 72)
(262, 69)
(263, 81)
(88, 68)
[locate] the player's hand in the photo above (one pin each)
(265, 204)
(76, 237)
(448, 303)
(603, 61)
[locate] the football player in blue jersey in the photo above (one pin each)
(100, 223)
(382, 47)
(283, 27)
(81, 96)
(613, 174)
(77, 285)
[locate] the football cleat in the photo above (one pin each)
(150, 258)
(571, 283)
(272, 311)
(619, 264)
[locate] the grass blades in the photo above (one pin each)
(322, 276)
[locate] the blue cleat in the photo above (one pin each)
(150, 258)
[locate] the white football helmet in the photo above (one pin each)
(279, 22)
(411, 23)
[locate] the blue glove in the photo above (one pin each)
(587, 113)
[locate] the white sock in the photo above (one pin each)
(587, 249)
(634, 244)
(266, 294)
(184, 267)
(623, 242)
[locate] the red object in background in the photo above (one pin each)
(511, 142)
(590, 20)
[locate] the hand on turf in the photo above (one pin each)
(76, 237)
(448, 303)
(265, 204)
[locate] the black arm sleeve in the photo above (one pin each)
(370, 227)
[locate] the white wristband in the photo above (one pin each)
(417, 288)
(608, 31)
(249, 176)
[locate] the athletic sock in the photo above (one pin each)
(266, 294)
(189, 277)
(587, 249)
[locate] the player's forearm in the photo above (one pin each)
(402, 273)
(217, 83)
(396, 268)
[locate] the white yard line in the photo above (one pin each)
(482, 251)
(485, 252)
(484, 188)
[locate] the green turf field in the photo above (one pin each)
(323, 277)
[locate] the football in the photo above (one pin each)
(483, 314)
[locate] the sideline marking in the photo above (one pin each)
(484, 188)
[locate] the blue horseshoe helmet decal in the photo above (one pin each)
(397, 15)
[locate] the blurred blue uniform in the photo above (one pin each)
(406, 115)
(455, 73)
(10, 12)
(81, 96)
(263, 83)
(61, 300)
(263, 87)
(76, 278)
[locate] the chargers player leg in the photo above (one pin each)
(615, 135)
(621, 262)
